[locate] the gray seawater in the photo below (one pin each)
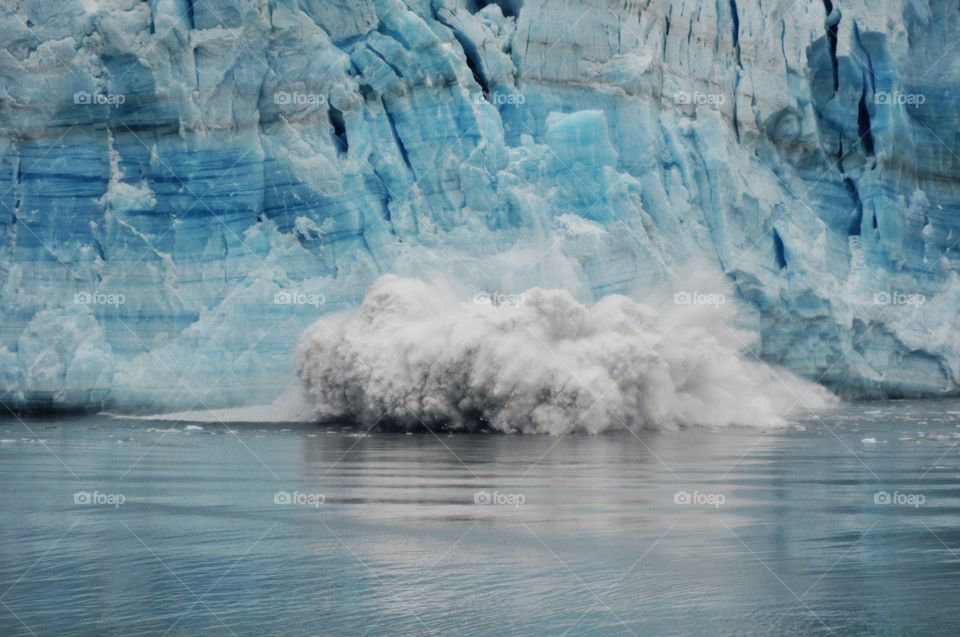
(120, 527)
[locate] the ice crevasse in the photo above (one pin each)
(187, 185)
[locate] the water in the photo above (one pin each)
(785, 533)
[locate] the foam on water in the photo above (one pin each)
(291, 406)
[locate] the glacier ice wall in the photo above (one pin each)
(185, 185)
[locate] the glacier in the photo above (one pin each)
(187, 185)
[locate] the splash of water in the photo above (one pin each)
(415, 354)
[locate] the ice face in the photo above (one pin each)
(185, 187)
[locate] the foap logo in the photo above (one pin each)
(884, 498)
(86, 498)
(298, 98)
(99, 298)
(498, 298)
(291, 297)
(699, 499)
(696, 98)
(498, 498)
(896, 297)
(685, 297)
(501, 99)
(82, 98)
(296, 498)
(885, 98)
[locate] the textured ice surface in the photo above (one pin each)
(185, 186)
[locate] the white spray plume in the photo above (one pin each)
(414, 354)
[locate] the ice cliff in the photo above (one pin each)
(186, 185)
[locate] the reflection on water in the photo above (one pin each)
(846, 525)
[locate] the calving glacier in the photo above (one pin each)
(414, 356)
(186, 186)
